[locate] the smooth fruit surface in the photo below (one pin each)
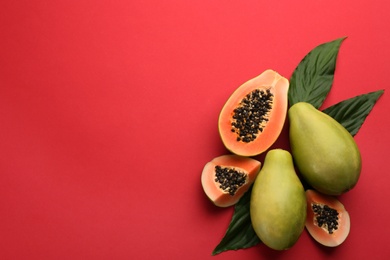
(278, 202)
(320, 232)
(243, 165)
(325, 153)
(271, 123)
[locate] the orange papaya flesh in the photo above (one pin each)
(226, 178)
(327, 220)
(253, 117)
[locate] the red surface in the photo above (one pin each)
(109, 110)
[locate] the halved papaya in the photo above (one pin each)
(327, 220)
(253, 117)
(226, 178)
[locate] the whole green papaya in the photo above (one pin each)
(278, 202)
(325, 153)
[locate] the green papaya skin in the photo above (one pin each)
(324, 152)
(278, 202)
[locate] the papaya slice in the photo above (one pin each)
(226, 178)
(327, 220)
(253, 117)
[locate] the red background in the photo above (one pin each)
(109, 111)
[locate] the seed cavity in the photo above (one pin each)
(229, 179)
(252, 114)
(325, 217)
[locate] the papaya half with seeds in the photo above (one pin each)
(226, 178)
(253, 117)
(327, 220)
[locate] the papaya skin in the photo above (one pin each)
(278, 202)
(325, 153)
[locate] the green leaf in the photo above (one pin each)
(312, 80)
(352, 112)
(240, 233)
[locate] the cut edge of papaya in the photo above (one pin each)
(278, 86)
(219, 197)
(320, 234)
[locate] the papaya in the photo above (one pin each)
(252, 118)
(324, 152)
(327, 220)
(278, 202)
(226, 178)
